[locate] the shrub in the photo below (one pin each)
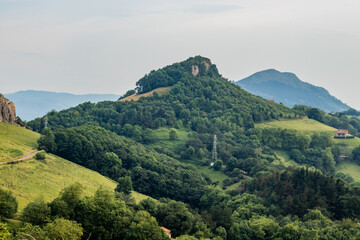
(8, 204)
(40, 156)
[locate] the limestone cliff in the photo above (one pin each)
(7, 111)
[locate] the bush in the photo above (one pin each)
(8, 204)
(40, 156)
(36, 213)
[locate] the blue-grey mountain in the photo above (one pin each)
(31, 104)
(288, 89)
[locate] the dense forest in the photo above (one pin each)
(117, 139)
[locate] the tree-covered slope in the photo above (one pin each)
(288, 89)
(199, 98)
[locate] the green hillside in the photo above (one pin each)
(311, 126)
(33, 179)
(304, 125)
(16, 141)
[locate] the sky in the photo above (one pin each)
(88, 46)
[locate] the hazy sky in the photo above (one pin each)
(87, 46)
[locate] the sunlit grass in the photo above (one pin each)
(16, 141)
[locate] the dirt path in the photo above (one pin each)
(20, 159)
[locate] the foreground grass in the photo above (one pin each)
(16, 141)
(33, 179)
(350, 168)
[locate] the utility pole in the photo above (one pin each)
(46, 122)
(214, 152)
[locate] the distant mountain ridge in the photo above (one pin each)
(31, 104)
(287, 88)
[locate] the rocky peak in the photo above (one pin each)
(7, 110)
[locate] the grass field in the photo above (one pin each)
(310, 126)
(35, 179)
(162, 136)
(305, 125)
(350, 168)
(136, 97)
(215, 176)
(16, 141)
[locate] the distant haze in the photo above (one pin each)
(88, 46)
(33, 104)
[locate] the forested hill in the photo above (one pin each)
(288, 89)
(200, 99)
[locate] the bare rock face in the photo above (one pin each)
(7, 110)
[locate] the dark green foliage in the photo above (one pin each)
(40, 156)
(36, 213)
(218, 165)
(124, 185)
(170, 75)
(284, 139)
(355, 155)
(172, 134)
(297, 190)
(8, 204)
(47, 141)
(152, 173)
(145, 227)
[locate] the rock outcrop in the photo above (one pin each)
(7, 110)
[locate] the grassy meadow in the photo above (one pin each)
(42, 180)
(350, 168)
(215, 176)
(16, 141)
(162, 139)
(309, 126)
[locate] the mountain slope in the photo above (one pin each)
(31, 104)
(288, 89)
(32, 179)
(16, 141)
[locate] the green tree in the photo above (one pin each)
(218, 165)
(47, 141)
(355, 155)
(8, 204)
(36, 213)
(145, 227)
(172, 134)
(62, 229)
(40, 156)
(124, 185)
